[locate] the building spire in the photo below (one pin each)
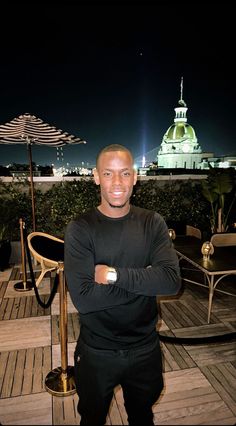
(181, 101)
(181, 88)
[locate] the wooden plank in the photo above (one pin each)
(22, 333)
(34, 307)
(168, 397)
(181, 312)
(15, 308)
(9, 375)
(203, 330)
(70, 330)
(176, 356)
(8, 309)
(199, 308)
(169, 363)
(3, 365)
(5, 274)
(211, 413)
(33, 409)
(28, 372)
(21, 311)
(3, 308)
(225, 315)
(65, 410)
(38, 385)
(212, 354)
(169, 316)
(19, 373)
(223, 379)
(184, 380)
(28, 307)
(3, 286)
(22, 307)
(41, 310)
(47, 362)
(188, 398)
(14, 274)
(231, 371)
(199, 315)
(55, 329)
(181, 355)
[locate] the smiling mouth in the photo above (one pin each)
(117, 193)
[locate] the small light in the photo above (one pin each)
(207, 249)
(172, 233)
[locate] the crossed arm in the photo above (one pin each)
(87, 282)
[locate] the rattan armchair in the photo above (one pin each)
(47, 250)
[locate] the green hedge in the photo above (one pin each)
(177, 201)
(180, 201)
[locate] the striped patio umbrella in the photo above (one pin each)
(30, 130)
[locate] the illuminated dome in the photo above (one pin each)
(179, 131)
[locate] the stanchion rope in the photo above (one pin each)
(198, 340)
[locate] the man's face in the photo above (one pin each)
(116, 176)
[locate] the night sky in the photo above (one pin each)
(110, 72)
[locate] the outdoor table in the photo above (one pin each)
(220, 264)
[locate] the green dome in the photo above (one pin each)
(180, 131)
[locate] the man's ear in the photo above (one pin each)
(96, 176)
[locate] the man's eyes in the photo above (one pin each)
(109, 174)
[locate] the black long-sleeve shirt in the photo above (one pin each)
(139, 247)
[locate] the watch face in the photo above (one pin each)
(111, 276)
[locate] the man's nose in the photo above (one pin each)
(116, 178)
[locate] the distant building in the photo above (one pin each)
(222, 162)
(180, 147)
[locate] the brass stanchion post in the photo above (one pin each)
(23, 285)
(60, 381)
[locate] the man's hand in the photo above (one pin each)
(100, 275)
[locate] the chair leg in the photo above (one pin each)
(43, 272)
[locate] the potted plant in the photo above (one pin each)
(220, 190)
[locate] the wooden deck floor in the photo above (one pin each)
(200, 380)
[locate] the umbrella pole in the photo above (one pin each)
(31, 185)
(60, 381)
(23, 285)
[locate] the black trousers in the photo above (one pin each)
(97, 372)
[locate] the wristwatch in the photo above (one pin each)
(111, 276)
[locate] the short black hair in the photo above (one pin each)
(112, 147)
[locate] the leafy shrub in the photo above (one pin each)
(176, 201)
(15, 202)
(63, 202)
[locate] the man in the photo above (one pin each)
(118, 258)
